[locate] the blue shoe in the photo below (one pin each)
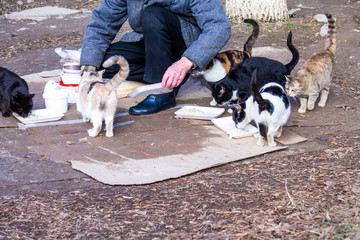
(153, 104)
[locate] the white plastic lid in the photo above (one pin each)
(55, 94)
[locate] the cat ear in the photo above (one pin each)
(100, 73)
(288, 77)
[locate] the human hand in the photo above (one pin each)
(176, 73)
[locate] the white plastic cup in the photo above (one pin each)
(56, 100)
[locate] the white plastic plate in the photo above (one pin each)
(149, 89)
(127, 87)
(40, 115)
(198, 112)
(227, 125)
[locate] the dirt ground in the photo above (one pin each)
(309, 191)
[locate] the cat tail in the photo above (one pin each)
(295, 53)
(251, 40)
(123, 72)
(255, 92)
(330, 44)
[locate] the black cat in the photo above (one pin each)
(14, 94)
(235, 86)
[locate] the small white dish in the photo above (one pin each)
(149, 89)
(198, 112)
(227, 125)
(127, 87)
(40, 115)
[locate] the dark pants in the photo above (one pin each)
(149, 58)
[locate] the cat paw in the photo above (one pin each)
(92, 133)
(272, 144)
(310, 108)
(321, 104)
(302, 110)
(213, 103)
(278, 133)
(110, 134)
(260, 143)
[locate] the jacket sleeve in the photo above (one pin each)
(101, 30)
(215, 31)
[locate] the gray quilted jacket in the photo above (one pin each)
(205, 27)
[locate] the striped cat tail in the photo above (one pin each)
(251, 40)
(295, 59)
(330, 44)
(123, 72)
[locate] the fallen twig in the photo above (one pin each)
(287, 192)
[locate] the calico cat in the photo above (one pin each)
(315, 75)
(97, 99)
(270, 109)
(14, 94)
(226, 60)
(236, 84)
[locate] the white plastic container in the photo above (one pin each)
(71, 73)
(52, 85)
(72, 93)
(70, 78)
(56, 100)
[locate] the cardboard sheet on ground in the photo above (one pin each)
(143, 157)
(152, 148)
(216, 151)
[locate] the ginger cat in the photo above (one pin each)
(315, 75)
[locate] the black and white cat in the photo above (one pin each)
(270, 109)
(14, 94)
(236, 85)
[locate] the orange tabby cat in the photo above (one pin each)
(97, 99)
(315, 75)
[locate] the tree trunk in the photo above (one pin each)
(261, 10)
